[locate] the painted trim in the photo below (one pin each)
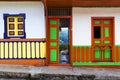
(59, 17)
(106, 32)
(35, 62)
(107, 42)
(82, 46)
(23, 40)
(47, 32)
(96, 64)
(21, 0)
(53, 44)
(97, 42)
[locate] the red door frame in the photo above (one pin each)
(48, 39)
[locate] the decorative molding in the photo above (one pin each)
(5, 16)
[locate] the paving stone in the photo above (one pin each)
(14, 76)
(11, 79)
(71, 73)
(107, 78)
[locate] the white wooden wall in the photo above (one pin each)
(82, 23)
(35, 19)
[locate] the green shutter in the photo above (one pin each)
(53, 55)
(53, 33)
(106, 32)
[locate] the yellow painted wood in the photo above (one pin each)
(45, 50)
(37, 50)
(2, 50)
(15, 25)
(28, 50)
(24, 50)
(6, 49)
(42, 50)
(33, 49)
(10, 50)
(15, 49)
(19, 50)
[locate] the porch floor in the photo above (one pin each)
(63, 70)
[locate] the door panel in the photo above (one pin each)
(97, 53)
(53, 24)
(107, 52)
(102, 39)
(59, 41)
(107, 36)
(53, 55)
(53, 33)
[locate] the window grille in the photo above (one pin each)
(59, 11)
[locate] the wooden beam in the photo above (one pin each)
(22, 40)
(59, 3)
(83, 3)
(20, 0)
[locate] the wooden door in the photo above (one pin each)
(59, 32)
(53, 41)
(102, 39)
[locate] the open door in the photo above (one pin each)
(59, 41)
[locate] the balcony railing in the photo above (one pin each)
(22, 49)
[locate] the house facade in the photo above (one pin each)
(22, 33)
(60, 33)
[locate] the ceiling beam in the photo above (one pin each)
(83, 3)
(20, 0)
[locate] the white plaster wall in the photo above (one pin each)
(35, 19)
(82, 23)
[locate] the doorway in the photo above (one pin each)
(59, 41)
(102, 38)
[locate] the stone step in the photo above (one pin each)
(28, 76)
(63, 77)
(11, 79)
(14, 76)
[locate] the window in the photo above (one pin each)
(14, 26)
(97, 32)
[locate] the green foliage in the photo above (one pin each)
(63, 47)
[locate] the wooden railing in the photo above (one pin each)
(22, 49)
(81, 54)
